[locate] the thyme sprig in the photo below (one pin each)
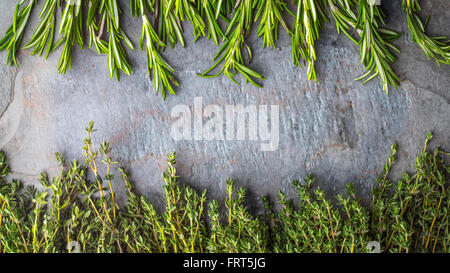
(230, 53)
(313, 228)
(241, 232)
(79, 206)
(415, 217)
(156, 65)
(309, 19)
(436, 47)
(12, 39)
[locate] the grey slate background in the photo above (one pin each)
(337, 129)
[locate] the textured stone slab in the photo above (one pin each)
(337, 129)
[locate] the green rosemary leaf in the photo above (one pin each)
(96, 26)
(375, 54)
(344, 16)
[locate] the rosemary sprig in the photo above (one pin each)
(374, 41)
(224, 8)
(271, 12)
(344, 16)
(366, 18)
(206, 9)
(309, 19)
(71, 29)
(374, 44)
(13, 37)
(79, 206)
(170, 28)
(104, 15)
(117, 59)
(156, 65)
(43, 36)
(230, 52)
(96, 26)
(437, 47)
(186, 9)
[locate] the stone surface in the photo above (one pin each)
(337, 129)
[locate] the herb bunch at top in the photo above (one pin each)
(170, 28)
(44, 35)
(437, 47)
(375, 45)
(360, 20)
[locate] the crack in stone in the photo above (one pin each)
(12, 91)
